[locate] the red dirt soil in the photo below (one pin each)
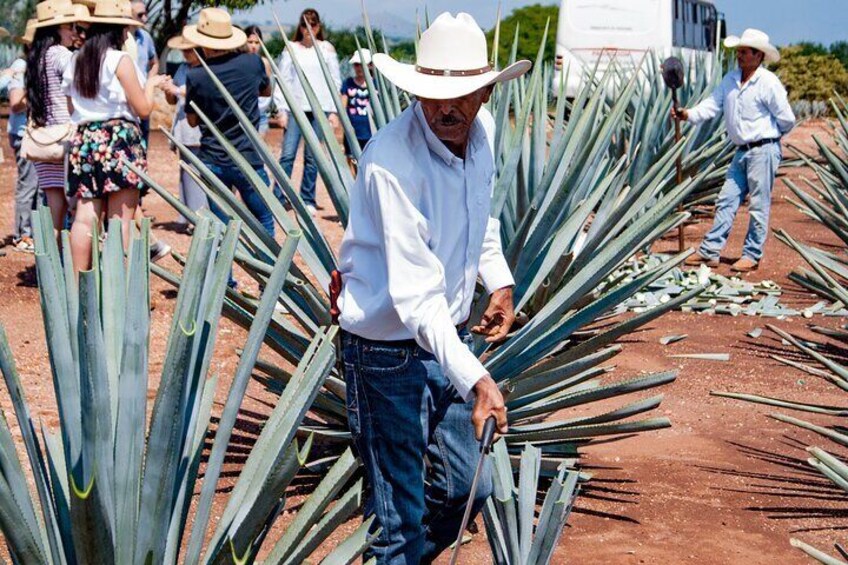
(708, 490)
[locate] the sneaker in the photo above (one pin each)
(698, 259)
(25, 245)
(745, 265)
(159, 251)
(311, 209)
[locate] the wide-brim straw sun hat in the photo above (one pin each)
(180, 43)
(452, 61)
(54, 13)
(215, 30)
(29, 33)
(115, 12)
(754, 39)
(365, 57)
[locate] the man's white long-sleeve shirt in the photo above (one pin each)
(418, 236)
(758, 109)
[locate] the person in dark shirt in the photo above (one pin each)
(246, 78)
(357, 100)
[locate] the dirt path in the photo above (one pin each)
(708, 490)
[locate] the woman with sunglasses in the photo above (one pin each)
(48, 57)
(307, 51)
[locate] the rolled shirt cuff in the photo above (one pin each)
(496, 275)
(464, 372)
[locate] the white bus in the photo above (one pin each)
(595, 32)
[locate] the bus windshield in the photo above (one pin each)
(612, 17)
(594, 24)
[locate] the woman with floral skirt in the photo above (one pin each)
(109, 96)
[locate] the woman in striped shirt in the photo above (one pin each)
(47, 59)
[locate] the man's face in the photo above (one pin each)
(749, 58)
(139, 11)
(451, 119)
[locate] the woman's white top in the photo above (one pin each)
(307, 58)
(111, 99)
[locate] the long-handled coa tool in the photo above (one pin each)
(485, 448)
(672, 73)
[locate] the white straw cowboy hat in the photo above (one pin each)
(215, 30)
(754, 39)
(54, 12)
(452, 61)
(357, 60)
(116, 12)
(180, 43)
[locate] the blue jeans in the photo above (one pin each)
(751, 173)
(310, 166)
(232, 176)
(401, 408)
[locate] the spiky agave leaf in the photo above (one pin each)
(107, 491)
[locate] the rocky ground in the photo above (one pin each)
(717, 487)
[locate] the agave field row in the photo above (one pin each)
(582, 187)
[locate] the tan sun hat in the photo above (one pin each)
(180, 43)
(53, 13)
(215, 30)
(29, 32)
(90, 4)
(118, 12)
(452, 61)
(755, 39)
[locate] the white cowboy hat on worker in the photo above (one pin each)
(452, 61)
(357, 60)
(215, 30)
(755, 39)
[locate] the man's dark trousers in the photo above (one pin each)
(401, 408)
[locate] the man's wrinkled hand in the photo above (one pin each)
(488, 402)
(498, 317)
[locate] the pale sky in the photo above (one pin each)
(786, 21)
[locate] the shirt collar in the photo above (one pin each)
(438, 148)
(754, 78)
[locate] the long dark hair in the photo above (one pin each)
(253, 30)
(98, 39)
(38, 100)
(308, 17)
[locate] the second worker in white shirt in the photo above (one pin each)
(418, 237)
(756, 114)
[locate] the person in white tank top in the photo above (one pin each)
(109, 95)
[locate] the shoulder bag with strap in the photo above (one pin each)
(47, 144)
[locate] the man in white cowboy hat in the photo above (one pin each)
(419, 235)
(757, 114)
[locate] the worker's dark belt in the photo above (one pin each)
(758, 143)
(402, 342)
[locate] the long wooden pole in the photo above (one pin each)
(681, 236)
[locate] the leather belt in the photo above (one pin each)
(758, 143)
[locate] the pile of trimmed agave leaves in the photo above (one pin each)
(827, 203)
(580, 189)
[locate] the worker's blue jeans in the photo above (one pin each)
(401, 408)
(751, 174)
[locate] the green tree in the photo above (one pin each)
(530, 21)
(840, 51)
(810, 76)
